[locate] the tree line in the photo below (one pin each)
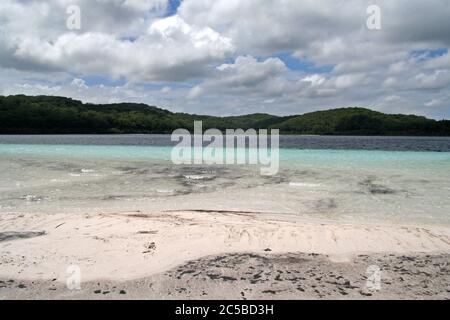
(22, 114)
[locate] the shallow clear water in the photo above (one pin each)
(122, 173)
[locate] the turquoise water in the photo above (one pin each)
(288, 156)
(93, 151)
(346, 185)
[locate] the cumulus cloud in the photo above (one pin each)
(231, 56)
(79, 83)
(170, 50)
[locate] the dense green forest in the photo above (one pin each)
(44, 114)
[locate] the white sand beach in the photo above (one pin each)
(129, 246)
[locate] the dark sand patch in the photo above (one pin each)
(265, 276)
(12, 235)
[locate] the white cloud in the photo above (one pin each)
(224, 54)
(79, 83)
(246, 76)
(314, 79)
(171, 50)
(433, 103)
(439, 62)
(195, 92)
(166, 90)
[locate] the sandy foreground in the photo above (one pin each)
(218, 255)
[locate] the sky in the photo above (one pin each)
(230, 57)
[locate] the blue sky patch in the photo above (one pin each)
(129, 39)
(427, 54)
(296, 64)
(96, 80)
(172, 7)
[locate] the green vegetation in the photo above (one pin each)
(57, 115)
(360, 121)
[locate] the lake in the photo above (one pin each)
(370, 179)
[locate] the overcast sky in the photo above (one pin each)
(225, 57)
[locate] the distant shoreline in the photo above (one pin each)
(282, 134)
(22, 114)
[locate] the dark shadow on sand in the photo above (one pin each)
(8, 236)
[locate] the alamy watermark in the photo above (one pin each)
(236, 147)
(373, 22)
(73, 281)
(373, 282)
(73, 21)
(374, 17)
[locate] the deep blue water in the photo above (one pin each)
(436, 144)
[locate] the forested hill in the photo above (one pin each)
(58, 115)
